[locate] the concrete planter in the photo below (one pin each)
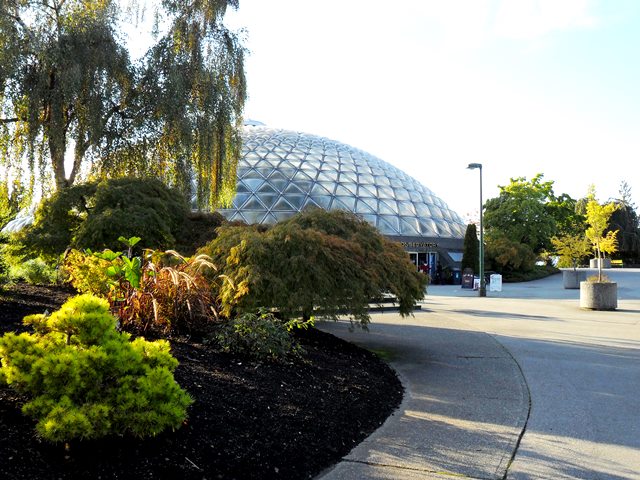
(599, 296)
(571, 278)
(606, 263)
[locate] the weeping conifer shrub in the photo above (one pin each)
(85, 380)
(317, 263)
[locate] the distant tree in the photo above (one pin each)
(506, 255)
(471, 252)
(520, 213)
(625, 221)
(69, 88)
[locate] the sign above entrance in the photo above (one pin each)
(419, 244)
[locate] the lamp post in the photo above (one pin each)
(483, 287)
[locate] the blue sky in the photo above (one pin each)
(521, 86)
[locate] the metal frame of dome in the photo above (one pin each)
(282, 172)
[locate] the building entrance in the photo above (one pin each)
(420, 259)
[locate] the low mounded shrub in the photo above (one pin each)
(86, 380)
(260, 335)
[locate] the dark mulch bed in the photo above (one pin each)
(250, 420)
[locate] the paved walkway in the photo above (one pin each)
(522, 384)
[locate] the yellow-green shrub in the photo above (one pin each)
(87, 272)
(86, 380)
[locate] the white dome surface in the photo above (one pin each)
(282, 172)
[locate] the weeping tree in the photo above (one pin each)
(73, 101)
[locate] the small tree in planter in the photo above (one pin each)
(600, 294)
(571, 249)
(598, 220)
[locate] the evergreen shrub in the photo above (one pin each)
(86, 380)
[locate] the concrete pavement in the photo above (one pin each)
(522, 384)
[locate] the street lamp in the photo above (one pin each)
(483, 287)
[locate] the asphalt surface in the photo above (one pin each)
(522, 384)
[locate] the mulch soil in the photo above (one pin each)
(250, 420)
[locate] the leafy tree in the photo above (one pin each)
(316, 263)
(571, 249)
(70, 89)
(506, 255)
(520, 213)
(598, 219)
(471, 252)
(94, 215)
(626, 222)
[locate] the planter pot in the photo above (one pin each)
(599, 296)
(571, 278)
(606, 263)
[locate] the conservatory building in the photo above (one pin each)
(282, 172)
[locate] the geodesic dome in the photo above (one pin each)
(282, 172)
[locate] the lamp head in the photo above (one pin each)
(473, 166)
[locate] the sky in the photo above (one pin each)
(521, 86)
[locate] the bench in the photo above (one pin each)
(617, 263)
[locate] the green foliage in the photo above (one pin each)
(316, 263)
(261, 336)
(471, 252)
(520, 213)
(571, 249)
(87, 272)
(95, 215)
(506, 255)
(538, 272)
(86, 380)
(35, 271)
(69, 89)
(598, 220)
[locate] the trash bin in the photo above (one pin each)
(495, 284)
(456, 276)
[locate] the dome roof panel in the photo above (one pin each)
(303, 171)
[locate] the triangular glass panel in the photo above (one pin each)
(269, 219)
(328, 186)
(426, 227)
(363, 207)
(266, 188)
(392, 220)
(350, 187)
(252, 173)
(328, 176)
(347, 177)
(324, 201)
(365, 179)
(318, 189)
(242, 188)
(282, 205)
(253, 183)
(253, 203)
(381, 180)
(406, 208)
(305, 186)
(367, 191)
(372, 219)
(408, 226)
(386, 208)
(235, 217)
(309, 203)
(401, 194)
(302, 176)
(385, 192)
(341, 190)
(292, 188)
(268, 199)
(278, 184)
(240, 199)
(348, 202)
(254, 216)
(296, 200)
(386, 228)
